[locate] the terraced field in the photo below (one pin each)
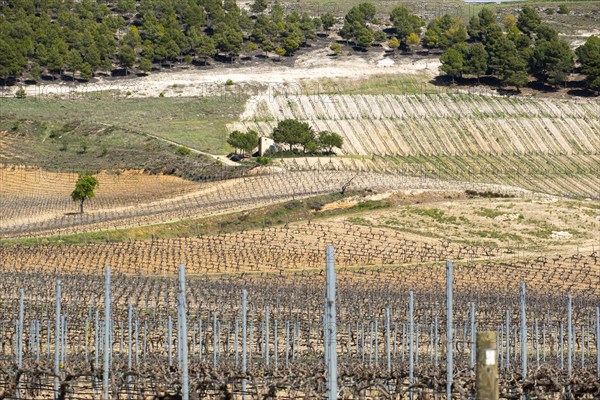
(544, 145)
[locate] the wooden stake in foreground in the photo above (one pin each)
(487, 366)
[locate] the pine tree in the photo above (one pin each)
(127, 57)
(589, 57)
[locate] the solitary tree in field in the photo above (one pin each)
(84, 189)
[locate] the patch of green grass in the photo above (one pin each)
(198, 123)
(435, 214)
(358, 221)
(368, 205)
(376, 84)
(489, 213)
(494, 234)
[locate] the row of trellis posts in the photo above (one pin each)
(329, 331)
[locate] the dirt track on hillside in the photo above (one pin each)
(313, 65)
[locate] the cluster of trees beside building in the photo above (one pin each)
(299, 137)
(84, 36)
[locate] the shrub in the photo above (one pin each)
(20, 94)
(263, 160)
(336, 48)
(228, 82)
(83, 147)
(183, 151)
(563, 9)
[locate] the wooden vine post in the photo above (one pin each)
(487, 366)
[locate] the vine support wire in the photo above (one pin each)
(376, 342)
(523, 333)
(275, 344)
(411, 340)
(436, 341)
(129, 346)
(20, 339)
(387, 340)
(170, 340)
(569, 334)
(473, 337)
(20, 331)
(57, 338)
(182, 307)
(107, 329)
(449, 333)
(267, 314)
(331, 337)
(598, 340)
(244, 299)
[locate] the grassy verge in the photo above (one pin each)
(376, 85)
(288, 212)
(199, 123)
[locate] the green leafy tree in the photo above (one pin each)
(508, 64)
(355, 24)
(57, 55)
(127, 57)
(405, 23)
(379, 36)
(92, 57)
(73, 61)
(475, 62)
(552, 61)
(293, 132)
(290, 44)
(9, 61)
(84, 189)
(589, 56)
(486, 17)
(206, 48)
(280, 51)
(528, 20)
(452, 62)
(364, 37)
(267, 46)
(132, 38)
(258, 6)
(474, 28)
(544, 32)
(328, 20)
(126, 6)
(244, 141)
(146, 64)
(521, 40)
(516, 77)
(35, 71)
(85, 71)
(329, 140)
(228, 39)
(443, 32)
